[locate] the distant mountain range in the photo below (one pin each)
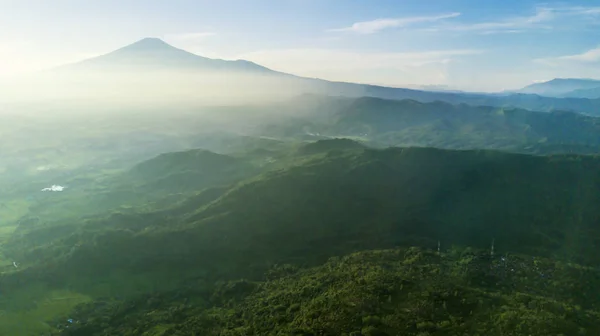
(592, 93)
(565, 87)
(383, 122)
(153, 69)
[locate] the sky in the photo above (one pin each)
(483, 45)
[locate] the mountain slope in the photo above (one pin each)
(561, 87)
(209, 166)
(155, 54)
(592, 93)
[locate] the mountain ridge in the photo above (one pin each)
(254, 83)
(561, 87)
(389, 122)
(154, 52)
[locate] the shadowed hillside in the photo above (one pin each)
(565, 87)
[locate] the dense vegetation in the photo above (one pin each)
(382, 292)
(423, 241)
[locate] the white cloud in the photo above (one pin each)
(587, 57)
(592, 11)
(54, 188)
(543, 18)
(511, 24)
(370, 27)
(384, 68)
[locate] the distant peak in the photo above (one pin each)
(149, 43)
(146, 45)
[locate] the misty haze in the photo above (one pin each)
(299, 168)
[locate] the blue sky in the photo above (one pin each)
(472, 45)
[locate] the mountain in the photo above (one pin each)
(561, 87)
(155, 54)
(137, 74)
(518, 100)
(152, 72)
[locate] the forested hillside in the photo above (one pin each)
(495, 224)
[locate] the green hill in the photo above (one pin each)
(187, 171)
(562, 87)
(334, 199)
(169, 179)
(339, 202)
